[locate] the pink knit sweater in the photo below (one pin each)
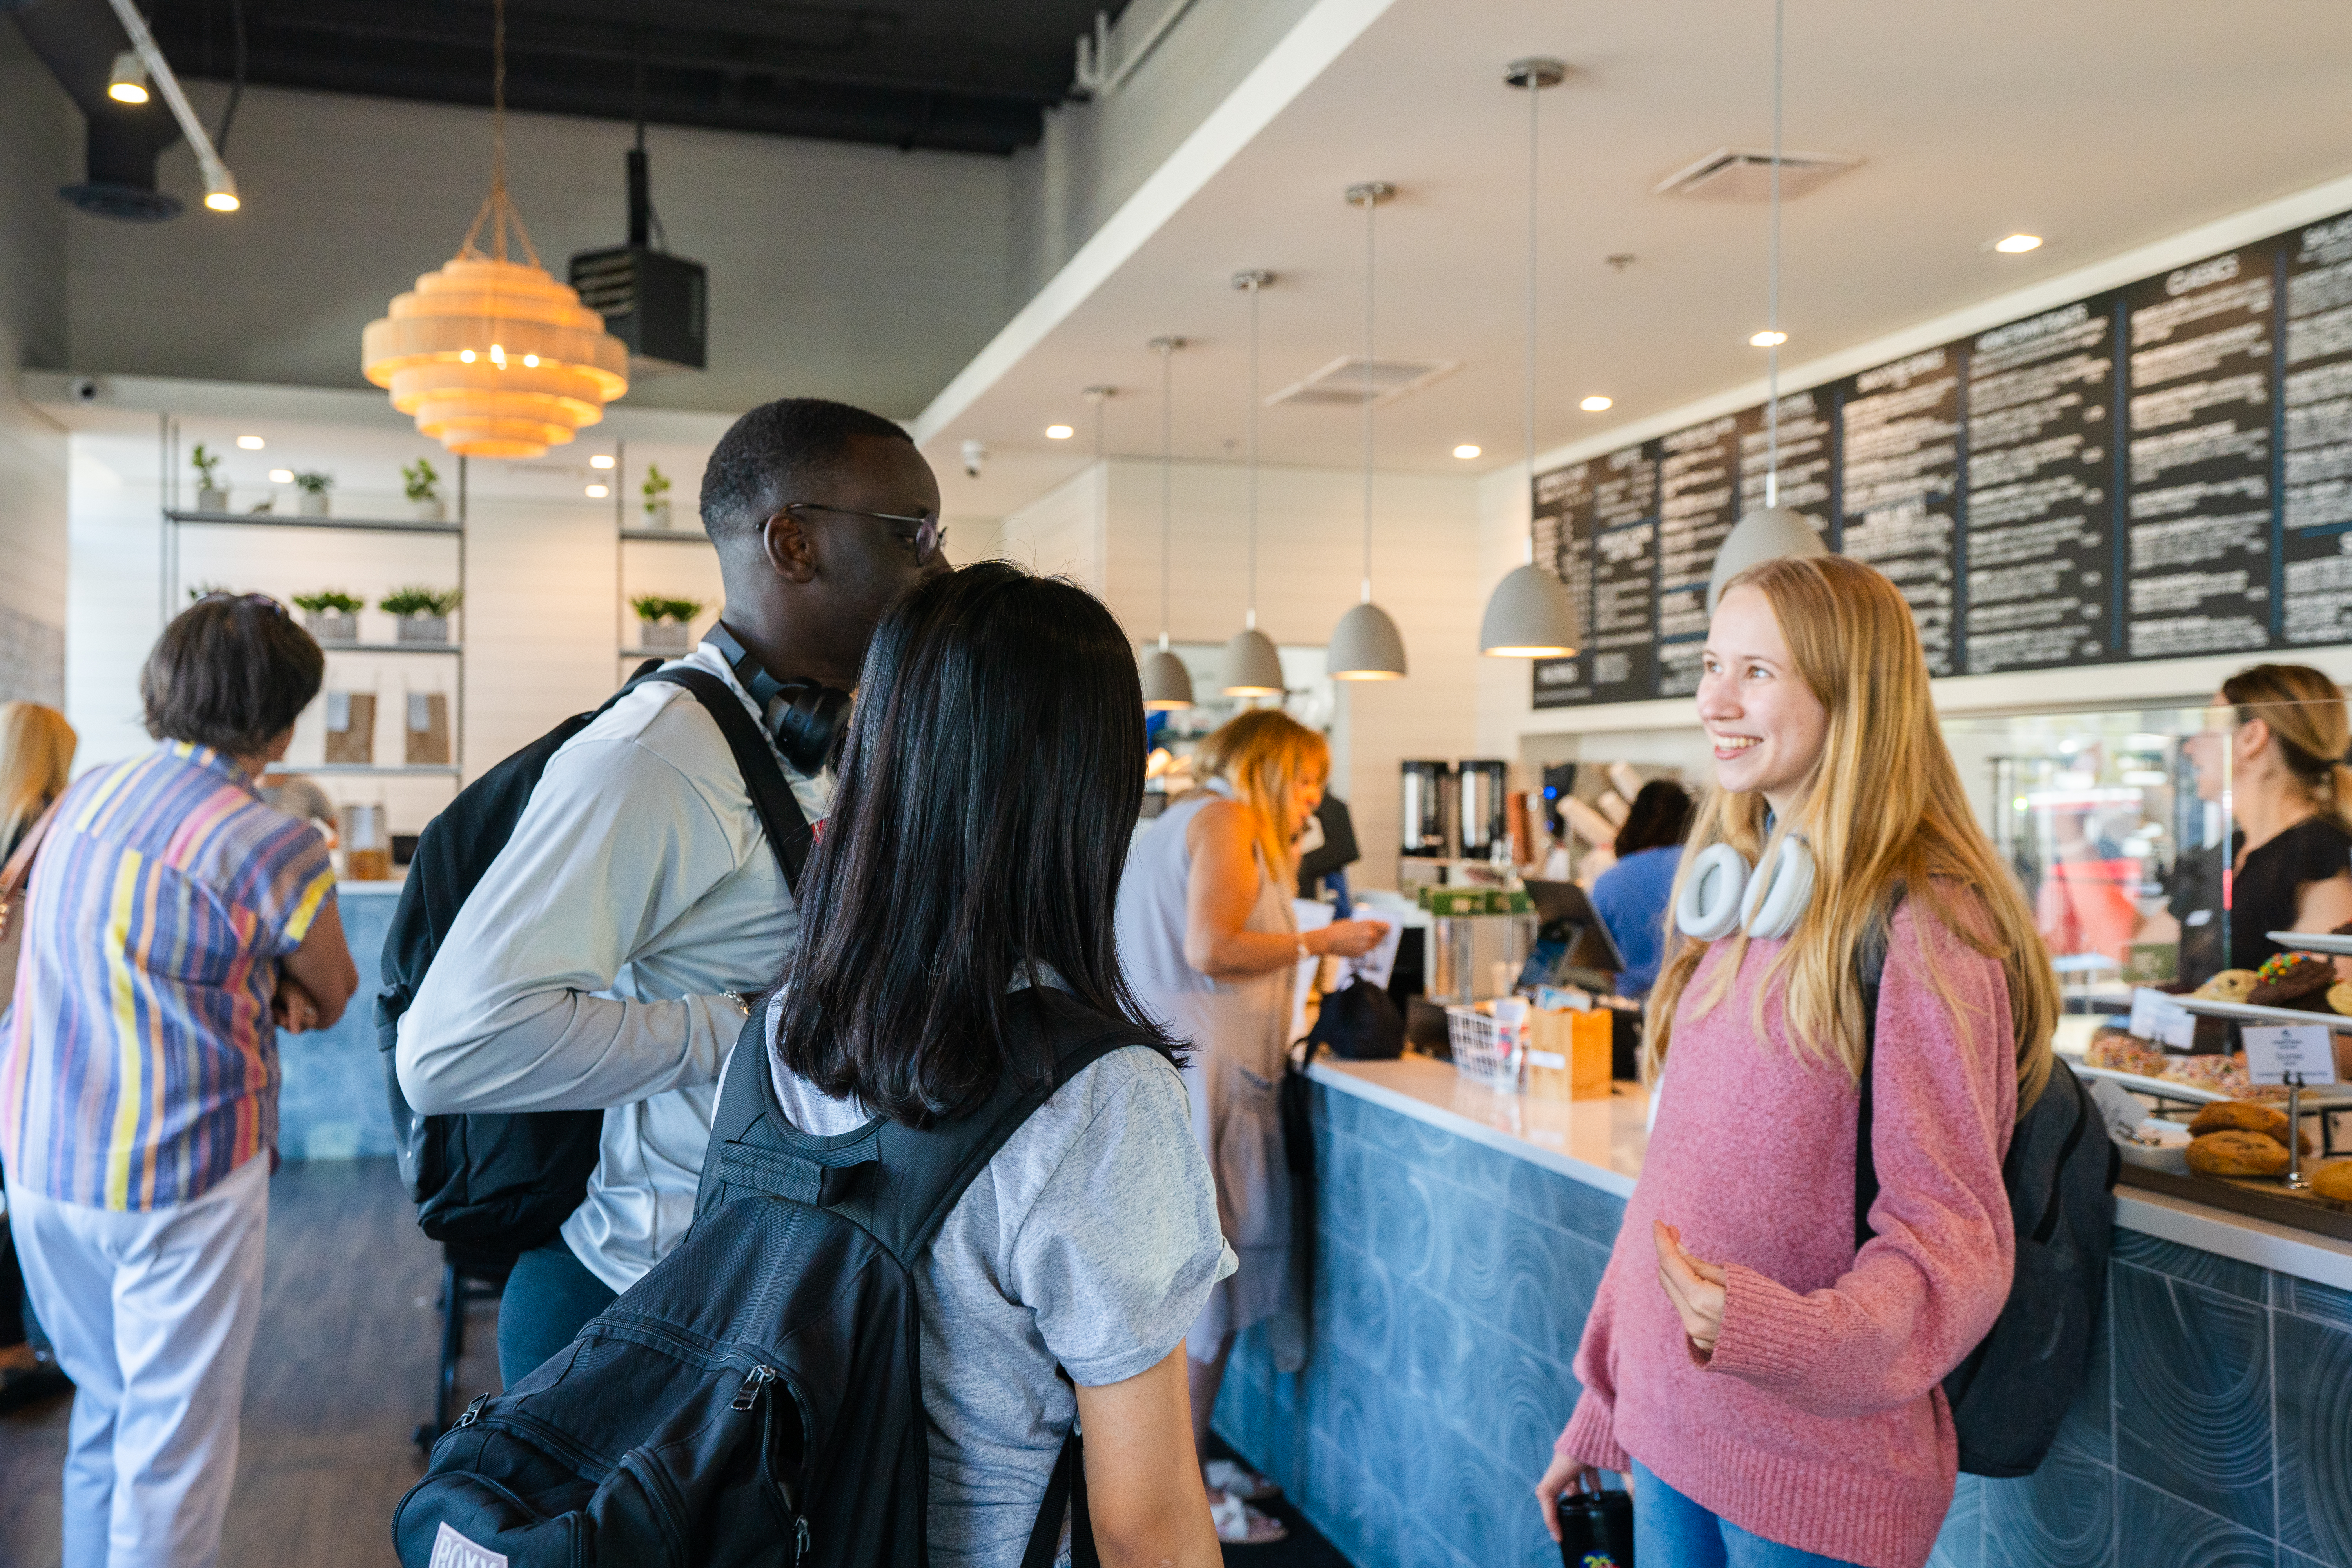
(1818, 1423)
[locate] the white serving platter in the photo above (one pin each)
(2247, 1013)
(2313, 942)
(2313, 1099)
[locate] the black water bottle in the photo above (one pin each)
(1596, 1529)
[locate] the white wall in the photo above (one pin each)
(40, 150)
(860, 273)
(1103, 527)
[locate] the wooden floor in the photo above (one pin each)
(342, 1370)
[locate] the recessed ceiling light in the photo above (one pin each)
(1465, 451)
(2018, 244)
(600, 460)
(465, 356)
(1058, 432)
(251, 443)
(1767, 339)
(598, 492)
(281, 476)
(1594, 404)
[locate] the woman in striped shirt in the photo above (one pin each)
(173, 922)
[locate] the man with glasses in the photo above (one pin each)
(593, 965)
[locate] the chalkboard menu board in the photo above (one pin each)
(2158, 471)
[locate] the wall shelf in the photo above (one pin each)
(667, 535)
(418, 769)
(441, 647)
(291, 520)
(654, 652)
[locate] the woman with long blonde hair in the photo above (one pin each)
(37, 752)
(1211, 948)
(1775, 1388)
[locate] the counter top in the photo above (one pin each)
(1600, 1142)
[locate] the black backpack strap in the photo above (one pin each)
(1870, 969)
(771, 794)
(1066, 1497)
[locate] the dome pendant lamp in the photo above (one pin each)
(1530, 615)
(1776, 531)
(1253, 665)
(1366, 645)
(495, 358)
(1167, 684)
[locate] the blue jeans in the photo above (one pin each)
(1672, 1531)
(549, 1298)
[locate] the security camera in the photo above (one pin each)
(975, 456)
(84, 389)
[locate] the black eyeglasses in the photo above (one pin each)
(931, 535)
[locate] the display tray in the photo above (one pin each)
(2247, 1013)
(2313, 942)
(2251, 1196)
(2313, 1099)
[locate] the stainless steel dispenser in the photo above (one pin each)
(1484, 787)
(1424, 820)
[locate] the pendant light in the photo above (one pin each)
(1253, 665)
(1167, 684)
(1366, 645)
(1530, 615)
(495, 358)
(1776, 531)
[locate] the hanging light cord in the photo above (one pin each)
(1772, 285)
(1249, 616)
(497, 209)
(1534, 92)
(1167, 348)
(1371, 208)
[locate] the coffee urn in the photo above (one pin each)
(1425, 818)
(1483, 786)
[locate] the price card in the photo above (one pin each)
(2117, 1104)
(2307, 1050)
(2157, 1016)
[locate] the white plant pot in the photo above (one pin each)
(656, 516)
(314, 503)
(433, 511)
(332, 626)
(424, 628)
(212, 500)
(667, 635)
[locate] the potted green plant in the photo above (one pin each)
(211, 494)
(423, 487)
(657, 493)
(423, 613)
(314, 487)
(332, 614)
(665, 625)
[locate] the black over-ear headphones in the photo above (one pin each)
(804, 716)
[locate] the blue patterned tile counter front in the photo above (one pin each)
(1460, 1237)
(331, 1104)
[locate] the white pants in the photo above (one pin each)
(152, 1317)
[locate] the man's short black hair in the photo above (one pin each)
(231, 672)
(780, 452)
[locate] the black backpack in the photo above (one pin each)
(2011, 1394)
(503, 1184)
(755, 1399)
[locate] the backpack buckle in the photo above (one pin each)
(472, 1413)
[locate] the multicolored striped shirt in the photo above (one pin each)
(141, 1062)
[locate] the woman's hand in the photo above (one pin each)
(294, 1008)
(1562, 1476)
(1695, 1288)
(1352, 938)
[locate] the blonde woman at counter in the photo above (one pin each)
(1773, 1392)
(2282, 728)
(1211, 948)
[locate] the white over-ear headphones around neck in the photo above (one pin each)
(1723, 893)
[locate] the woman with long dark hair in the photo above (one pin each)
(988, 788)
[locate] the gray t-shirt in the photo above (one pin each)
(1090, 1242)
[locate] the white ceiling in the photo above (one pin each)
(2100, 124)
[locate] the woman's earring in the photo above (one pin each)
(1773, 900)
(1708, 908)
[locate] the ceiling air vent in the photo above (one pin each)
(1745, 174)
(1342, 383)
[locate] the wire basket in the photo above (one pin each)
(1484, 1051)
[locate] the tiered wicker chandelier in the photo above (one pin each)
(495, 358)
